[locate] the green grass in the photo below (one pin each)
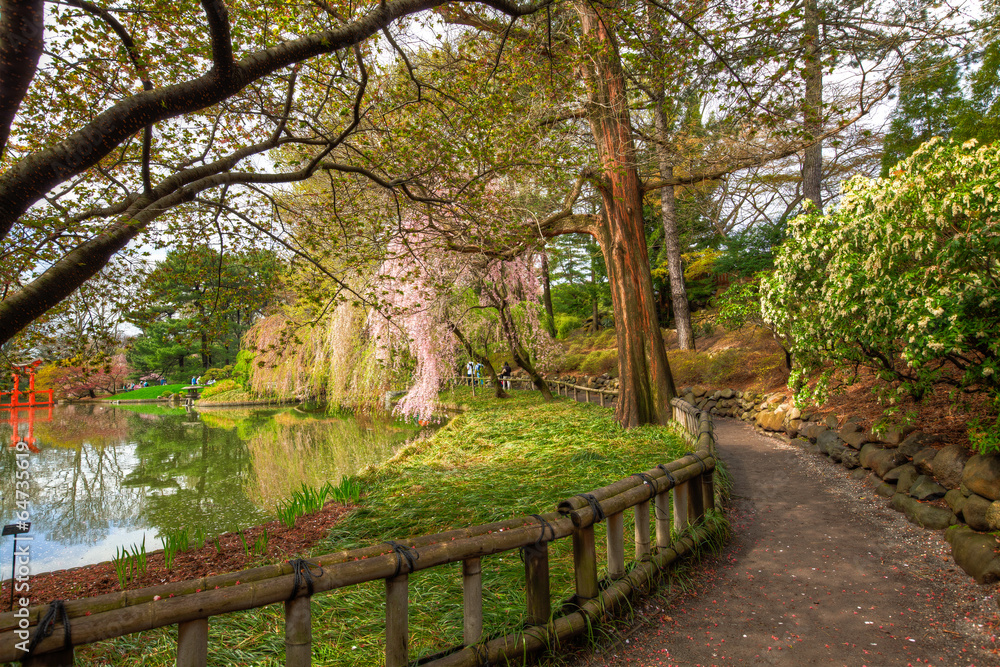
(498, 460)
(147, 393)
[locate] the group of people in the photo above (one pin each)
(474, 371)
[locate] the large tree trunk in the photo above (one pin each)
(481, 358)
(812, 159)
(672, 242)
(521, 356)
(644, 374)
(550, 317)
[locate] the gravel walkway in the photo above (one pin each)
(819, 572)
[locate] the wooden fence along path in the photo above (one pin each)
(189, 605)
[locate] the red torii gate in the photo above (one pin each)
(33, 395)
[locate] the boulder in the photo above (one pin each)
(726, 393)
(948, 465)
(850, 426)
(955, 500)
(868, 452)
(975, 553)
(849, 458)
(827, 438)
(792, 427)
(836, 451)
(982, 476)
(894, 435)
(915, 442)
(771, 421)
(861, 475)
(925, 488)
(885, 460)
(925, 516)
(924, 460)
(795, 413)
(854, 438)
(812, 430)
(993, 514)
(886, 490)
(699, 391)
(831, 421)
(897, 472)
(974, 512)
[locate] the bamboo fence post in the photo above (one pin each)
(472, 593)
(616, 546)
(576, 393)
(602, 398)
(642, 546)
(63, 658)
(585, 563)
(396, 621)
(192, 643)
(661, 512)
(298, 632)
(536, 577)
(682, 496)
(586, 395)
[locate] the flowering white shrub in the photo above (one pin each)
(902, 277)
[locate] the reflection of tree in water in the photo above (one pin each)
(292, 450)
(103, 468)
(75, 489)
(195, 476)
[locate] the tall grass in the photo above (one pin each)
(498, 460)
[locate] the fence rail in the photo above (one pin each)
(190, 605)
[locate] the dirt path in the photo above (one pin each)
(818, 573)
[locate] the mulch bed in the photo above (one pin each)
(283, 543)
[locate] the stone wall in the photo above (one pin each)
(938, 488)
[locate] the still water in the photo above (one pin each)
(102, 477)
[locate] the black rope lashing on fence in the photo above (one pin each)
(545, 526)
(303, 570)
(403, 552)
(47, 624)
(704, 468)
(595, 505)
(670, 475)
(482, 655)
(646, 479)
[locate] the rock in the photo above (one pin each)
(727, 393)
(800, 442)
(926, 516)
(831, 421)
(925, 488)
(974, 553)
(894, 435)
(709, 405)
(812, 449)
(966, 491)
(955, 500)
(795, 413)
(867, 454)
(924, 460)
(771, 421)
(792, 427)
(915, 442)
(689, 398)
(905, 480)
(885, 460)
(699, 391)
(860, 474)
(886, 490)
(897, 472)
(850, 426)
(993, 515)
(812, 431)
(855, 439)
(982, 476)
(836, 451)
(850, 458)
(948, 466)
(825, 439)
(974, 512)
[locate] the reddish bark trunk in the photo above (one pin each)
(646, 383)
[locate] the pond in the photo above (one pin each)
(110, 476)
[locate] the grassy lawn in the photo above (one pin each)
(148, 393)
(498, 460)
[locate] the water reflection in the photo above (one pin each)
(108, 476)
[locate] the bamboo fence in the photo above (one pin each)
(190, 605)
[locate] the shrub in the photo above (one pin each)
(219, 387)
(599, 361)
(903, 277)
(571, 362)
(566, 323)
